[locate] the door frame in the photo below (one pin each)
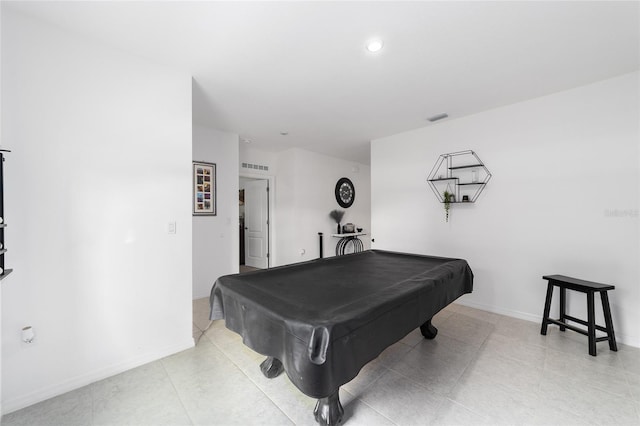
(270, 213)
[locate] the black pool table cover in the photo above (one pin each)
(327, 318)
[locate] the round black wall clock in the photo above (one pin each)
(345, 192)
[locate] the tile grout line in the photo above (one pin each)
(177, 393)
(363, 402)
(93, 404)
(628, 398)
(250, 379)
(283, 412)
(449, 395)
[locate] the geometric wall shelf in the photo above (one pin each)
(462, 174)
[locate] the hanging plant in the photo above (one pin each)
(448, 198)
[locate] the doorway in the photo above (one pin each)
(254, 223)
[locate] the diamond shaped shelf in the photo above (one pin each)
(462, 174)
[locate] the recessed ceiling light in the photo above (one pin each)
(284, 133)
(374, 45)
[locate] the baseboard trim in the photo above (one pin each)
(496, 310)
(82, 380)
(620, 337)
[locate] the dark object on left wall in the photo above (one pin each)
(3, 272)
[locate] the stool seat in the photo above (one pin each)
(590, 288)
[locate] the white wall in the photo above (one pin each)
(215, 238)
(101, 163)
(302, 194)
(305, 184)
(563, 199)
(257, 157)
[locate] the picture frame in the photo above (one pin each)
(204, 189)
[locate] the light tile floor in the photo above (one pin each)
(482, 369)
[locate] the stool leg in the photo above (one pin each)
(591, 321)
(563, 306)
(547, 308)
(608, 321)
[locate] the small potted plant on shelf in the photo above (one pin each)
(448, 199)
(337, 215)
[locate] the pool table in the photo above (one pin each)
(321, 321)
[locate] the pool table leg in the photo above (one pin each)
(329, 411)
(271, 367)
(428, 330)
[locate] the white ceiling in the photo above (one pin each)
(260, 68)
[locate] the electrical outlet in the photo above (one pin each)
(171, 228)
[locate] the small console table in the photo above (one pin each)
(345, 239)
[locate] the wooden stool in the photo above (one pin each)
(589, 288)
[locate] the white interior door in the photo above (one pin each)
(256, 223)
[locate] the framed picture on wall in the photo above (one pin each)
(204, 189)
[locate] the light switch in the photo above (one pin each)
(171, 228)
